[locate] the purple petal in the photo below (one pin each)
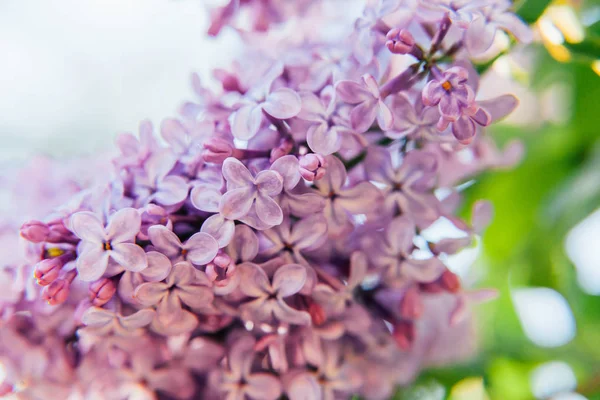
(352, 93)
(206, 198)
(256, 282)
(378, 164)
(269, 182)
(514, 25)
(263, 386)
(159, 165)
(479, 36)
(358, 268)
(196, 296)
(363, 115)
(219, 228)
(179, 321)
(312, 107)
(183, 273)
(289, 279)
(171, 190)
(400, 233)
(240, 356)
(268, 210)
(304, 387)
(130, 256)
(87, 226)
(236, 174)
(236, 203)
(323, 140)
(334, 178)
(159, 267)
(202, 248)
(423, 270)
(96, 316)
(483, 213)
(246, 122)
(289, 169)
(371, 85)
(285, 313)
(91, 264)
(174, 381)
(244, 245)
(304, 204)
(164, 240)
(128, 283)
(482, 117)
(500, 107)
(308, 231)
(123, 225)
(150, 293)
(464, 129)
(138, 319)
(175, 134)
(282, 103)
(432, 93)
(385, 119)
(361, 198)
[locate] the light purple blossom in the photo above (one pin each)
(157, 185)
(199, 249)
(114, 243)
(369, 104)
(269, 294)
(246, 192)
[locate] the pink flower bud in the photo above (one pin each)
(312, 167)
(284, 148)
(317, 313)
(57, 292)
(101, 291)
(450, 281)
(216, 150)
(404, 334)
(411, 306)
(219, 267)
(35, 231)
(399, 41)
(47, 271)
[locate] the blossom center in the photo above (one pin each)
(54, 252)
(447, 86)
(107, 246)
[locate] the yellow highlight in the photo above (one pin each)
(596, 67)
(469, 389)
(565, 19)
(55, 252)
(559, 52)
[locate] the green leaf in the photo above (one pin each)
(530, 10)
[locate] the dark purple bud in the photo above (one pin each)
(411, 306)
(399, 41)
(47, 271)
(312, 167)
(216, 150)
(35, 231)
(101, 291)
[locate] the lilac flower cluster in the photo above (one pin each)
(271, 241)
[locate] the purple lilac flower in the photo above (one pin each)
(369, 104)
(103, 321)
(199, 249)
(157, 185)
(100, 245)
(245, 192)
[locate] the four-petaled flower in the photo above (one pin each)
(100, 245)
(269, 295)
(199, 249)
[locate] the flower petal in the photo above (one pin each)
(334, 178)
(175, 134)
(236, 174)
(219, 228)
(282, 103)
(130, 256)
(385, 119)
(363, 115)
(289, 169)
(501, 106)
(159, 267)
(263, 386)
(195, 296)
(137, 320)
(246, 121)
(323, 140)
(244, 245)
(96, 316)
(285, 313)
(256, 282)
(236, 203)
(87, 226)
(150, 293)
(464, 129)
(206, 198)
(269, 182)
(399, 235)
(202, 248)
(164, 240)
(309, 231)
(123, 225)
(352, 92)
(362, 198)
(268, 210)
(91, 264)
(171, 190)
(289, 279)
(423, 270)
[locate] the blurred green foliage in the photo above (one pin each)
(556, 186)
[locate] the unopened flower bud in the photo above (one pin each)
(399, 41)
(312, 167)
(404, 334)
(411, 306)
(101, 291)
(218, 268)
(35, 231)
(56, 292)
(47, 271)
(216, 150)
(284, 148)
(450, 281)
(317, 313)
